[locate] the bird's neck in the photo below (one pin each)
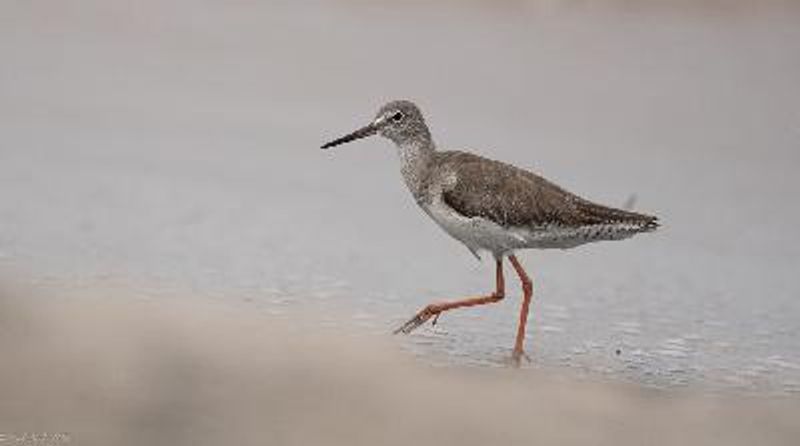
(416, 157)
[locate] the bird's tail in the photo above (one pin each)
(600, 214)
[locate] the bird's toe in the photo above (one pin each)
(415, 322)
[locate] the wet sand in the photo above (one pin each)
(108, 365)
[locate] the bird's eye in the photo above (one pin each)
(397, 117)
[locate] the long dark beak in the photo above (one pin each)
(363, 132)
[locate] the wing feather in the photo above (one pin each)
(513, 197)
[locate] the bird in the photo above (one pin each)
(491, 207)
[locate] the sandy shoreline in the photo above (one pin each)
(110, 366)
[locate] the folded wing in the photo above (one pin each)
(513, 197)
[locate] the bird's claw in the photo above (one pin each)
(516, 357)
(419, 319)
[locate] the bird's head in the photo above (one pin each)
(400, 121)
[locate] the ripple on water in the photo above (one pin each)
(673, 348)
(628, 327)
(555, 312)
(777, 361)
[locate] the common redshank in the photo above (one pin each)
(490, 206)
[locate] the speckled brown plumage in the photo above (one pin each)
(510, 196)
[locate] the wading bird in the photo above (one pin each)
(492, 207)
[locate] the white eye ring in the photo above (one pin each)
(397, 116)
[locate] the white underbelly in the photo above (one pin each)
(480, 234)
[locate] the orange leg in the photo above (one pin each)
(527, 290)
(434, 310)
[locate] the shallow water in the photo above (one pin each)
(176, 146)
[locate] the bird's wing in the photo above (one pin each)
(513, 197)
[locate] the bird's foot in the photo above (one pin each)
(516, 357)
(431, 311)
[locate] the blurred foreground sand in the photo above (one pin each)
(113, 367)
